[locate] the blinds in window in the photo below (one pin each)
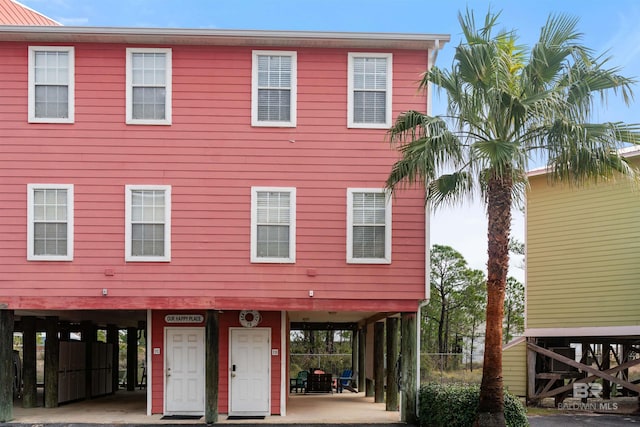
(50, 222)
(274, 88)
(273, 222)
(369, 225)
(369, 89)
(147, 222)
(148, 77)
(51, 78)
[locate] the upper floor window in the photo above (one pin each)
(148, 86)
(50, 222)
(368, 226)
(273, 97)
(273, 224)
(369, 90)
(51, 84)
(148, 223)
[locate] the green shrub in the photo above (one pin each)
(456, 405)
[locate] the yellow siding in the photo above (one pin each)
(514, 368)
(583, 248)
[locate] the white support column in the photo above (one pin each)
(149, 363)
(284, 355)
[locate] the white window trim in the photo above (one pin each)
(387, 227)
(31, 93)
(292, 225)
(129, 87)
(167, 224)
(30, 222)
(254, 89)
(350, 91)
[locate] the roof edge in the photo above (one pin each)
(216, 36)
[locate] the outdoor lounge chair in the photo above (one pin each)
(345, 381)
(299, 382)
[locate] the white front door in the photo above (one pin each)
(249, 371)
(184, 371)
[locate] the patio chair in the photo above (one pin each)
(299, 382)
(345, 381)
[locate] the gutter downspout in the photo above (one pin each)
(431, 59)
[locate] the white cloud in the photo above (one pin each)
(73, 21)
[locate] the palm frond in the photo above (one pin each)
(426, 145)
(581, 152)
(449, 189)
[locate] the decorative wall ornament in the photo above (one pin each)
(250, 318)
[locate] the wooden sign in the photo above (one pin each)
(184, 318)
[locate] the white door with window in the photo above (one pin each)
(249, 371)
(184, 371)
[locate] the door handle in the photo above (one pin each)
(168, 372)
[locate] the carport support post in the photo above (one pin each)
(113, 338)
(30, 387)
(355, 355)
(378, 361)
(362, 338)
(392, 363)
(51, 363)
(606, 364)
(89, 335)
(211, 332)
(409, 368)
(65, 331)
(6, 365)
(132, 358)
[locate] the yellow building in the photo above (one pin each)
(582, 287)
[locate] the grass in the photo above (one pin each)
(464, 376)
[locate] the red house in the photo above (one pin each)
(211, 189)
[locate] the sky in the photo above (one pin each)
(609, 27)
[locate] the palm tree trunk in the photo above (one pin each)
(491, 408)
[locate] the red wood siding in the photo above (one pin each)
(271, 320)
(211, 156)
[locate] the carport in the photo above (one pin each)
(81, 354)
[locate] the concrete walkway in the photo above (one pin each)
(130, 408)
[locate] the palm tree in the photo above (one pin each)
(508, 106)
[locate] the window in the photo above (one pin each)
(149, 86)
(51, 84)
(50, 222)
(369, 90)
(273, 96)
(148, 223)
(368, 226)
(273, 224)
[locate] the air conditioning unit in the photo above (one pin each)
(558, 366)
